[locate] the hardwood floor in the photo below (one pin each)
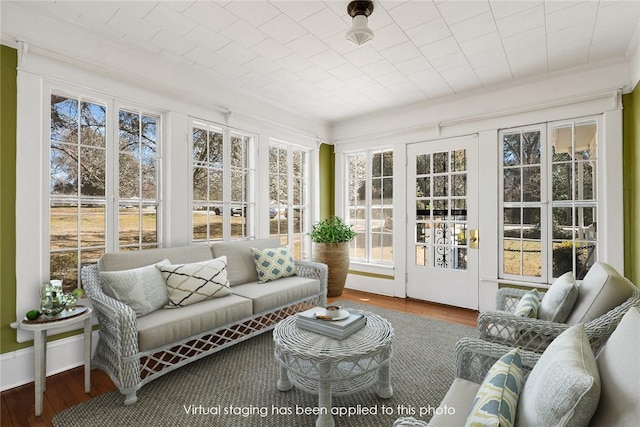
(66, 389)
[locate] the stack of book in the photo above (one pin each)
(338, 329)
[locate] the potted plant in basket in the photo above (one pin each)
(331, 238)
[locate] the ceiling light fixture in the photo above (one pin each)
(359, 33)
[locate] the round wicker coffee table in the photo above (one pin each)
(325, 366)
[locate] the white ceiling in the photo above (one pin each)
(294, 53)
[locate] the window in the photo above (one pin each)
(288, 193)
(549, 200)
(223, 174)
(84, 222)
(370, 205)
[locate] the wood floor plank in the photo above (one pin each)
(66, 389)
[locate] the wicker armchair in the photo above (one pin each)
(536, 334)
(473, 358)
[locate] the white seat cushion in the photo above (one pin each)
(619, 367)
(460, 398)
(270, 295)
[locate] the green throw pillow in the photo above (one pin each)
(528, 305)
(274, 263)
(497, 399)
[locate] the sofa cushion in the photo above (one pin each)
(143, 289)
(602, 289)
(619, 367)
(241, 267)
(133, 259)
(563, 387)
(273, 263)
(168, 325)
(559, 300)
(528, 305)
(497, 398)
(278, 293)
(460, 398)
(191, 283)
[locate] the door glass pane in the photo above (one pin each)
(441, 162)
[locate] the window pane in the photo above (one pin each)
(562, 223)
(585, 179)
(92, 225)
(423, 164)
(562, 140)
(511, 149)
(441, 162)
(459, 161)
(440, 186)
(531, 184)
(200, 153)
(512, 185)
(561, 183)
(92, 175)
(512, 256)
(64, 169)
(149, 225)
(149, 178)
(531, 148)
(64, 119)
(585, 143)
(63, 226)
(376, 165)
(129, 183)
(149, 140)
(92, 124)
(215, 157)
(129, 131)
(459, 185)
(129, 225)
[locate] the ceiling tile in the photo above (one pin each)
(389, 36)
(161, 15)
(96, 12)
(528, 62)
(521, 22)
(503, 9)
(378, 19)
(314, 74)
(363, 56)
(411, 14)
(402, 52)
(485, 59)
(440, 48)
(492, 74)
(243, 33)
(340, 44)
(271, 50)
(255, 13)
(203, 57)
(607, 50)
(307, 46)
(533, 37)
(298, 10)
(474, 27)
(131, 25)
(331, 84)
(582, 13)
(462, 78)
(481, 44)
(392, 78)
(378, 68)
(325, 24)
(283, 29)
(168, 41)
(429, 32)
(619, 32)
(294, 62)
(568, 56)
(206, 38)
(210, 15)
(328, 59)
(610, 12)
(345, 71)
(449, 62)
(569, 36)
(458, 11)
(262, 66)
(283, 77)
(235, 53)
(362, 81)
(413, 65)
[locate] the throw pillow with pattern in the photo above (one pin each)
(528, 305)
(274, 263)
(497, 399)
(191, 283)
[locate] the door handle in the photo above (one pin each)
(474, 239)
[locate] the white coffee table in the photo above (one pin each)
(325, 366)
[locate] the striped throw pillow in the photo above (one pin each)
(528, 305)
(497, 399)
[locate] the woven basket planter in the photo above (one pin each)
(336, 256)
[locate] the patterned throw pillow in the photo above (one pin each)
(497, 399)
(528, 305)
(274, 263)
(143, 289)
(199, 281)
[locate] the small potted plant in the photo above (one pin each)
(331, 238)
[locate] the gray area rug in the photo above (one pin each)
(241, 381)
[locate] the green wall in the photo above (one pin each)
(8, 111)
(631, 186)
(327, 181)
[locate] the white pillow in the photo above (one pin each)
(559, 300)
(191, 283)
(143, 289)
(563, 388)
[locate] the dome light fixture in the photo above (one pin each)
(359, 33)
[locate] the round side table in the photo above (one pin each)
(326, 366)
(40, 326)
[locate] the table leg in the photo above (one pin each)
(325, 419)
(40, 368)
(87, 355)
(384, 389)
(284, 384)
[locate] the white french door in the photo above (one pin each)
(442, 221)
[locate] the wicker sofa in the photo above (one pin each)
(565, 385)
(135, 349)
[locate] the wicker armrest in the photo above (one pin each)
(507, 298)
(314, 270)
(117, 320)
(473, 358)
(516, 331)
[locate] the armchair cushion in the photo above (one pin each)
(496, 401)
(558, 301)
(619, 368)
(460, 396)
(563, 388)
(143, 289)
(528, 305)
(602, 289)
